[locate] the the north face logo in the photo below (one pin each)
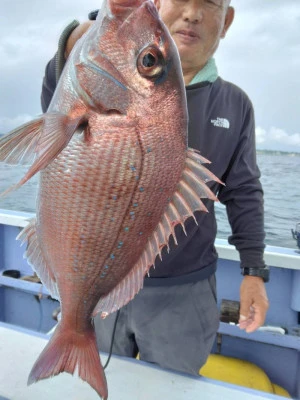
(221, 122)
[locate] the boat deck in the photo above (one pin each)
(127, 379)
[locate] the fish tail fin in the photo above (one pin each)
(68, 351)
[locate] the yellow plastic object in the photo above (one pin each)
(280, 391)
(237, 372)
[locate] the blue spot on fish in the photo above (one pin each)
(132, 168)
(106, 267)
(135, 204)
(141, 189)
(114, 197)
(112, 256)
(149, 150)
(126, 229)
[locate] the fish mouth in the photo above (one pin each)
(112, 111)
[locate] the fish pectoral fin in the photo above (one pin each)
(185, 201)
(36, 259)
(37, 142)
(18, 146)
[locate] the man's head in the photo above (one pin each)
(197, 27)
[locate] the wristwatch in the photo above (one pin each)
(263, 273)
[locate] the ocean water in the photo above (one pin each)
(280, 180)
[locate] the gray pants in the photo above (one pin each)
(171, 326)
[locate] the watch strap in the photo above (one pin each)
(263, 273)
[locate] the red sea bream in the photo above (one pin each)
(116, 177)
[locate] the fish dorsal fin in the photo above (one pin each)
(36, 258)
(186, 200)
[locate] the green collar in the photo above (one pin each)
(209, 73)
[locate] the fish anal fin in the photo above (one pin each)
(185, 201)
(35, 258)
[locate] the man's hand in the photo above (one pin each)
(75, 35)
(254, 303)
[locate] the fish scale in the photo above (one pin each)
(86, 220)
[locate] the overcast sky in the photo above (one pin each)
(261, 54)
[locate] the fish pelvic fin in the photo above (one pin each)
(69, 351)
(185, 201)
(37, 142)
(36, 259)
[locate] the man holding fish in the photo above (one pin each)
(173, 320)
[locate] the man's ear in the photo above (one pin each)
(228, 21)
(157, 3)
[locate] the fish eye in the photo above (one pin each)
(150, 62)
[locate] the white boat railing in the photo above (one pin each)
(281, 257)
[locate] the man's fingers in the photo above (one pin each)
(244, 321)
(254, 304)
(259, 315)
(245, 310)
(255, 319)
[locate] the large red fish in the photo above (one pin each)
(116, 177)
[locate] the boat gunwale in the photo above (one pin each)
(281, 257)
